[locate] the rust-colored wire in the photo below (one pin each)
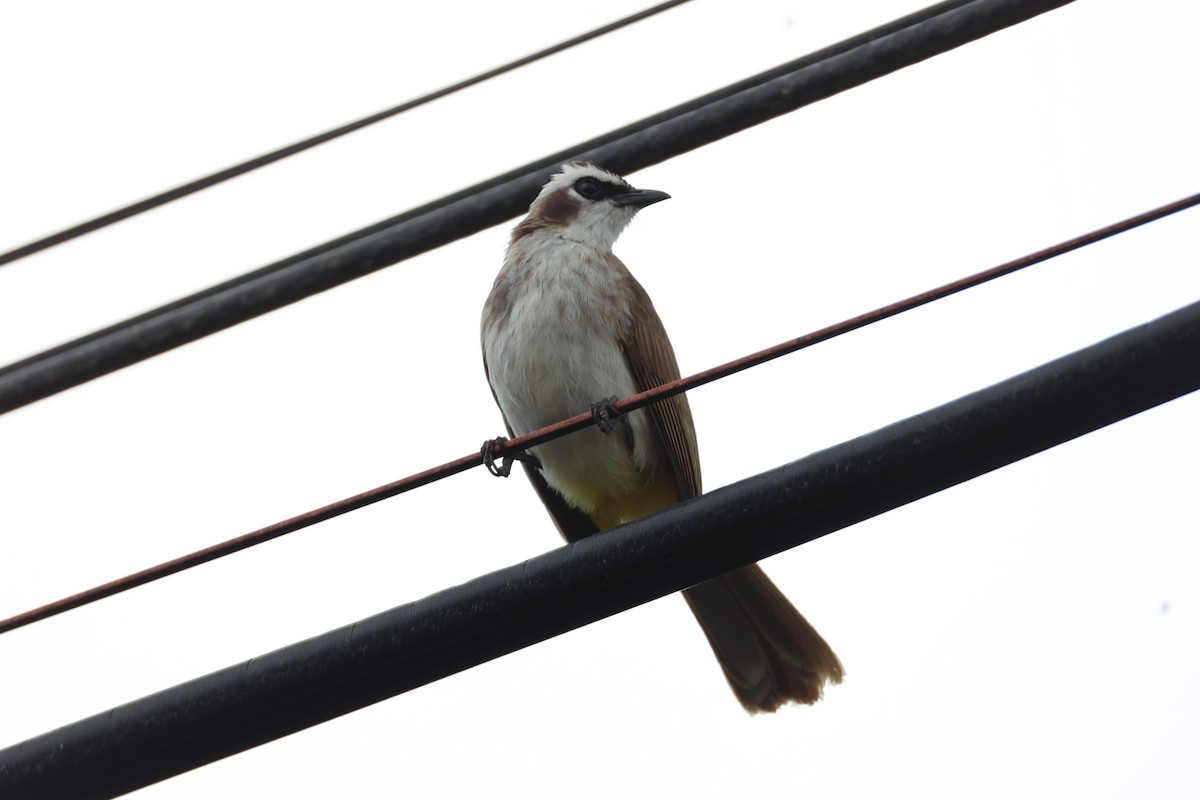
(578, 422)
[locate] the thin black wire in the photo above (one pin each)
(577, 422)
(236, 170)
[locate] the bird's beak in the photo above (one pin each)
(640, 198)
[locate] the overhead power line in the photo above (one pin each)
(252, 164)
(855, 61)
(310, 682)
(573, 424)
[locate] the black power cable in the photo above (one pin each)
(313, 681)
(770, 94)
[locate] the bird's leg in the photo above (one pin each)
(605, 412)
(503, 470)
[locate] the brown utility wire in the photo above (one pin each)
(149, 203)
(579, 421)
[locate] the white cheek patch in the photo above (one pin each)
(599, 224)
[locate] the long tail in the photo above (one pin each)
(770, 654)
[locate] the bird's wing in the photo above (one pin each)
(651, 359)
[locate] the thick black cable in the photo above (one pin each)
(263, 160)
(707, 119)
(534, 438)
(313, 681)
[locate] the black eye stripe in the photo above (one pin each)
(595, 189)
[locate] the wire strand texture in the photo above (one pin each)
(579, 421)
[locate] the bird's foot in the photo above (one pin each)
(503, 470)
(605, 412)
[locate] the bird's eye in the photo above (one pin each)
(588, 188)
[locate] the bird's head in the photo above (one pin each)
(586, 203)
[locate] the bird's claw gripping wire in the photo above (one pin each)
(503, 470)
(604, 413)
(489, 458)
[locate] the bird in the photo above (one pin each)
(567, 328)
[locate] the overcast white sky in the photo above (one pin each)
(1032, 633)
